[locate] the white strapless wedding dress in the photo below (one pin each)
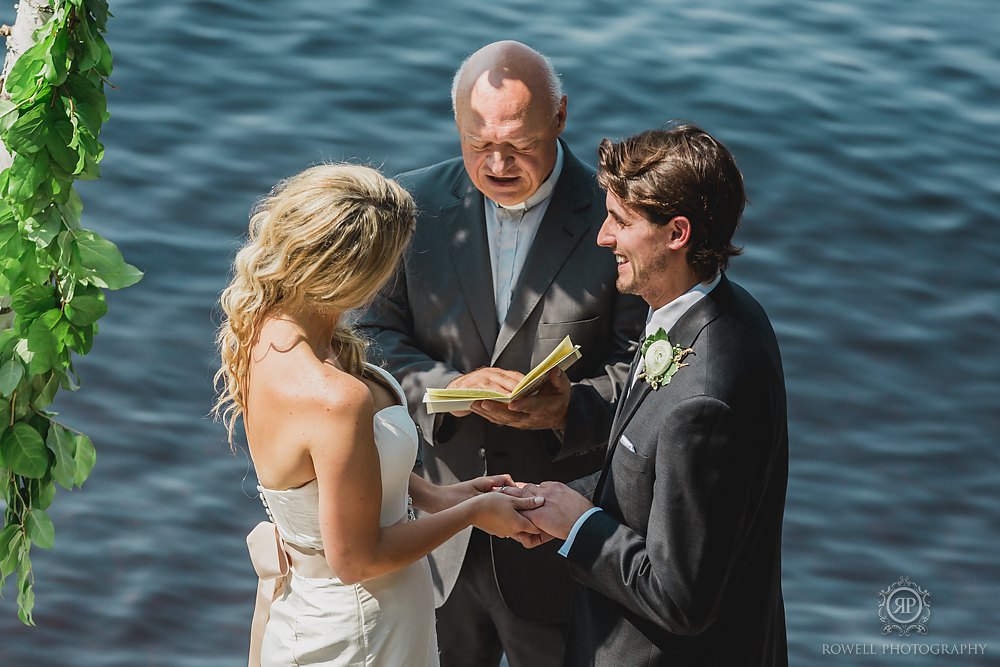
(383, 622)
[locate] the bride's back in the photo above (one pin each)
(287, 385)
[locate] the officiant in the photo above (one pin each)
(503, 265)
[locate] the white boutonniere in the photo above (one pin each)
(661, 359)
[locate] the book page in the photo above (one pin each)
(564, 355)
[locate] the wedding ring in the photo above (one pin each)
(504, 486)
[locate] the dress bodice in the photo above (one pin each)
(296, 511)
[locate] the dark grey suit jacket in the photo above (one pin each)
(683, 566)
(437, 320)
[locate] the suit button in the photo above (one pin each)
(482, 452)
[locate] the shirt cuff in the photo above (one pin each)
(568, 544)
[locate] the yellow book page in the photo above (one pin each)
(452, 394)
(564, 355)
(563, 350)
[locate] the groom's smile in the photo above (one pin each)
(640, 248)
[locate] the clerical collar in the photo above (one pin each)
(545, 189)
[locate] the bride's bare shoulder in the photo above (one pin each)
(285, 373)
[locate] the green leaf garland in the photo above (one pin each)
(53, 270)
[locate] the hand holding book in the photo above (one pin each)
(461, 399)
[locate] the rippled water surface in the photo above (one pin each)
(869, 135)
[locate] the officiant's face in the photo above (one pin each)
(640, 248)
(508, 134)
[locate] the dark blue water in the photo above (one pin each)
(869, 135)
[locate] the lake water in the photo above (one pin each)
(869, 136)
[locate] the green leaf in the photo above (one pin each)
(26, 452)
(43, 492)
(90, 54)
(39, 527)
(68, 379)
(10, 548)
(57, 141)
(46, 393)
(56, 63)
(10, 374)
(85, 457)
(99, 8)
(81, 339)
(8, 114)
(106, 264)
(21, 409)
(10, 240)
(8, 339)
(4, 425)
(66, 246)
(32, 272)
(89, 101)
(105, 62)
(27, 134)
(28, 174)
(71, 210)
(49, 319)
(33, 300)
(25, 594)
(24, 77)
(44, 226)
(44, 345)
(86, 309)
(63, 445)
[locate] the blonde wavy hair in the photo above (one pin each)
(327, 238)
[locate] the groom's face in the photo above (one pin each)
(508, 135)
(640, 248)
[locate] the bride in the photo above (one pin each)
(330, 436)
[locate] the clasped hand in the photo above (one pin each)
(555, 517)
(498, 514)
(533, 514)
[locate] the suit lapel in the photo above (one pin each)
(558, 234)
(628, 391)
(470, 253)
(684, 333)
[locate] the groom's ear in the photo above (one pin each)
(679, 232)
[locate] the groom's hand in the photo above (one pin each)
(531, 540)
(563, 506)
(544, 409)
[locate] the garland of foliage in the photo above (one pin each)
(52, 268)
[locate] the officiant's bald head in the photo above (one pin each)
(512, 59)
(509, 110)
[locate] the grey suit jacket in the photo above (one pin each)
(437, 320)
(683, 566)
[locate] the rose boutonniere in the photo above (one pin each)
(661, 359)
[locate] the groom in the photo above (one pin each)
(679, 555)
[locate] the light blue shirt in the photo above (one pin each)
(510, 231)
(568, 544)
(665, 317)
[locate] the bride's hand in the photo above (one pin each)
(450, 495)
(499, 514)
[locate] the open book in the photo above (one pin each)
(455, 400)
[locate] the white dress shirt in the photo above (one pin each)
(510, 231)
(666, 317)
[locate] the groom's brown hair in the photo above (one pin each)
(680, 171)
